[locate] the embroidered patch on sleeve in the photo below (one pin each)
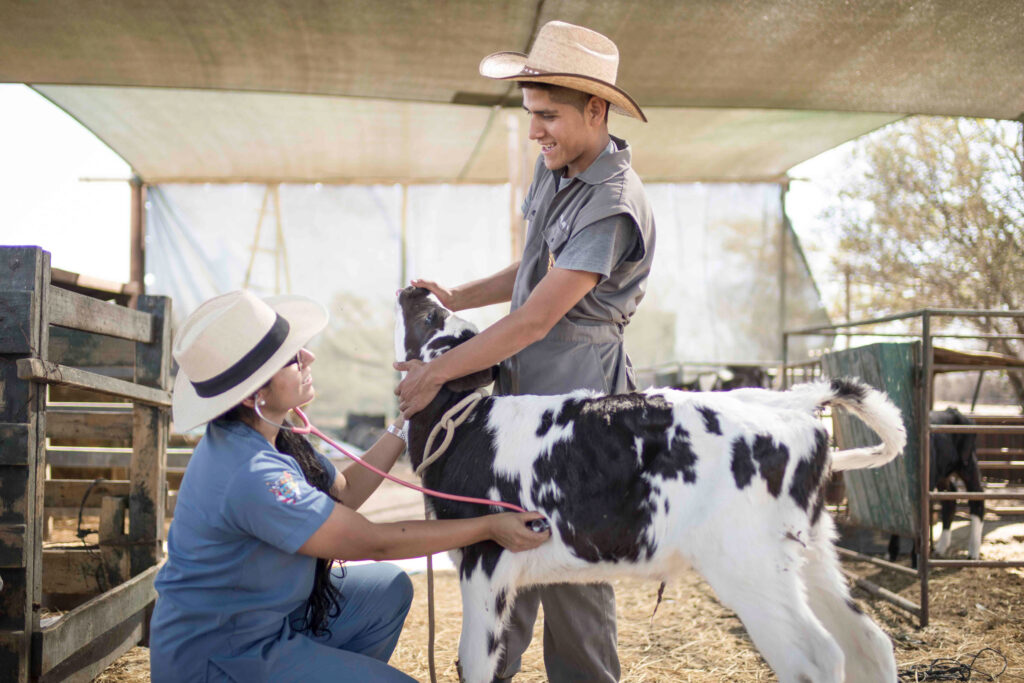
(286, 489)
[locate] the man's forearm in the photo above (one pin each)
(504, 338)
(494, 289)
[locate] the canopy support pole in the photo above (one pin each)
(137, 257)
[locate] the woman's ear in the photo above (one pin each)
(249, 401)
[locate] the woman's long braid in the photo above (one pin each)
(325, 599)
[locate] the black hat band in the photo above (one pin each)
(247, 364)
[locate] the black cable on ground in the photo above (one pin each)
(945, 669)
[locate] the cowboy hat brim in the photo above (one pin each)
(511, 66)
(305, 319)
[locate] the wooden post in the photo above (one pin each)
(515, 166)
(24, 333)
(137, 261)
(111, 538)
(148, 489)
(784, 231)
(403, 239)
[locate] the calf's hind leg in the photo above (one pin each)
(763, 588)
(867, 650)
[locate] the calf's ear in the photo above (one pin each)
(474, 381)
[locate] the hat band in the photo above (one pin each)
(248, 364)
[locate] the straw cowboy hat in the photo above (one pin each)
(232, 345)
(567, 55)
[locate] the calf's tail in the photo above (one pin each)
(876, 411)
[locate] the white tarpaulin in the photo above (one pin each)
(713, 295)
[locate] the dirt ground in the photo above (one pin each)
(695, 638)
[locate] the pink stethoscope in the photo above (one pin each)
(308, 428)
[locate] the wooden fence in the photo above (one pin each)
(55, 339)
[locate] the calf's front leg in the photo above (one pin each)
(486, 604)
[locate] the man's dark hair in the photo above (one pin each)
(564, 95)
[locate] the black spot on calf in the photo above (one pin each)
(809, 472)
(682, 456)
(848, 389)
(772, 459)
(742, 464)
(500, 602)
(545, 423)
(710, 420)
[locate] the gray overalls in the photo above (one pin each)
(584, 350)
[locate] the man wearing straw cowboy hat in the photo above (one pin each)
(583, 271)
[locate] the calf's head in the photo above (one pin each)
(424, 329)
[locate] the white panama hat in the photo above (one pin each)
(571, 56)
(232, 345)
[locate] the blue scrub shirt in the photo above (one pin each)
(232, 574)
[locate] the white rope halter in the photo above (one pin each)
(452, 418)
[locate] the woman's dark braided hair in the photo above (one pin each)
(325, 599)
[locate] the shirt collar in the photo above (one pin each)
(612, 161)
(241, 429)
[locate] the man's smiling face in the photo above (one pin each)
(565, 138)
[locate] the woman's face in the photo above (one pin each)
(292, 385)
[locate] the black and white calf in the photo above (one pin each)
(649, 483)
(954, 464)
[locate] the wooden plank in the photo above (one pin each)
(37, 370)
(23, 269)
(116, 557)
(80, 312)
(148, 486)
(147, 501)
(90, 428)
(93, 286)
(887, 497)
(75, 571)
(16, 441)
(89, 662)
(16, 309)
(85, 349)
(12, 546)
(60, 393)
(84, 624)
(69, 493)
(177, 459)
(13, 598)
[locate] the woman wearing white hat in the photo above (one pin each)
(248, 591)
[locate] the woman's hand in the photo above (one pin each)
(444, 295)
(509, 530)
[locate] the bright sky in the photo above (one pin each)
(44, 154)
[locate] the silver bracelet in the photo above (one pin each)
(400, 433)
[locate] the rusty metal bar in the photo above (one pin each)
(924, 543)
(963, 367)
(861, 557)
(967, 495)
(977, 563)
(978, 429)
(920, 611)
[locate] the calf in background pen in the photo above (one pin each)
(647, 484)
(954, 460)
